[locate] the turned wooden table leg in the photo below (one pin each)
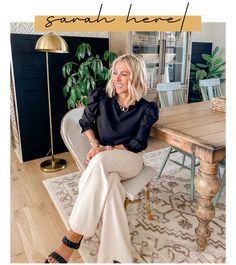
(207, 185)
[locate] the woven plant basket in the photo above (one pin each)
(219, 104)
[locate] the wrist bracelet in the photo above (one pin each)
(93, 142)
(109, 147)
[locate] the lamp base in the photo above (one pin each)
(53, 165)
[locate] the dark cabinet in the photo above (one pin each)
(198, 48)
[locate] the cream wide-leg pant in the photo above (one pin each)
(101, 199)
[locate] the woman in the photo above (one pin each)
(117, 123)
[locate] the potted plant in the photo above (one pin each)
(86, 74)
(213, 68)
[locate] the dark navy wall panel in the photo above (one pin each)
(29, 69)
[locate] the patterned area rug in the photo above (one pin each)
(170, 237)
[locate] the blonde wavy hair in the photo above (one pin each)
(137, 85)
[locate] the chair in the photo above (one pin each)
(210, 88)
(78, 146)
(221, 176)
(171, 94)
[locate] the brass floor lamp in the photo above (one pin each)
(55, 44)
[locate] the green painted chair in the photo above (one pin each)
(221, 176)
(210, 88)
(171, 94)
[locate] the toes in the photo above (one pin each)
(51, 260)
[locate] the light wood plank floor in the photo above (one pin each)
(36, 227)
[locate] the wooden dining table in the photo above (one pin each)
(197, 129)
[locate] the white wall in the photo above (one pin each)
(212, 32)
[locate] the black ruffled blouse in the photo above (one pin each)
(112, 126)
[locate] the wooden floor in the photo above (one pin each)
(36, 227)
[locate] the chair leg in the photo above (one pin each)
(192, 178)
(218, 194)
(148, 205)
(164, 162)
(219, 174)
(183, 160)
(126, 203)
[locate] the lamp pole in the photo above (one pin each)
(56, 44)
(50, 111)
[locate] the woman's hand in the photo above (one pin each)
(93, 151)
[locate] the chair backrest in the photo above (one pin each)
(210, 88)
(171, 94)
(76, 142)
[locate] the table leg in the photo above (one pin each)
(207, 185)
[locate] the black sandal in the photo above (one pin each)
(57, 257)
(69, 244)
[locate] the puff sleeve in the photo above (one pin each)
(139, 142)
(91, 111)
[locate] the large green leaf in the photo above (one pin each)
(217, 67)
(69, 81)
(201, 74)
(82, 89)
(207, 57)
(88, 48)
(82, 50)
(65, 90)
(86, 86)
(83, 72)
(78, 92)
(106, 55)
(201, 65)
(214, 52)
(66, 69)
(110, 56)
(93, 83)
(73, 94)
(105, 73)
(97, 66)
(87, 63)
(70, 103)
(84, 100)
(218, 61)
(219, 73)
